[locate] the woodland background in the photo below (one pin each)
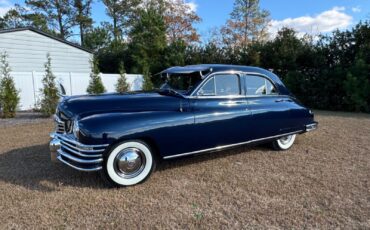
(330, 71)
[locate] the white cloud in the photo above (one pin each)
(356, 9)
(324, 22)
(193, 6)
(5, 6)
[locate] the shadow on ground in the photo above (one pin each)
(31, 168)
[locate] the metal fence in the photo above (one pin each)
(30, 84)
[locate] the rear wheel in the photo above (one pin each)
(128, 163)
(284, 143)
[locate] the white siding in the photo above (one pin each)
(27, 52)
(29, 84)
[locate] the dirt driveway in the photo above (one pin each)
(322, 182)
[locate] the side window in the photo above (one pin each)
(208, 89)
(259, 86)
(227, 85)
(221, 85)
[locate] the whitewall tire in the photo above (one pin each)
(284, 143)
(128, 163)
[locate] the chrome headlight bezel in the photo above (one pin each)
(76, 129)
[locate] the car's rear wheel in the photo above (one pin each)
(284, 143)
(128, 163)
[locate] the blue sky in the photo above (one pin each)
(306, 16)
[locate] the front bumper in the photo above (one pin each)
(66, 149)
(312, 126)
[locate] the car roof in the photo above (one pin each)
(214, 68)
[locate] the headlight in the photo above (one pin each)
(76, 129)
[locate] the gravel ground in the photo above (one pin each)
(322, 182)
(24, 118)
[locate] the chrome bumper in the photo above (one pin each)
(74, 154)
(311, 127)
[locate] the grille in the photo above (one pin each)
(59, 126)
(62, 126)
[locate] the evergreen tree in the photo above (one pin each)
(357, 86)
(49, 92)
(122, 85)
(248, 24)
(59, 13)
(121, 14)
(83, 17)
(9, 97)
(148, 37)
(147, 82)
(95, 85)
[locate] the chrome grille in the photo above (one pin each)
(59, 125)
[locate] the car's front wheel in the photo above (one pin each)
(128, 163)
(284, 143)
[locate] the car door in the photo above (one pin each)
(270, 111)
(220, 112)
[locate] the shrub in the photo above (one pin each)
(95, 85)
(9, 95)
(49, 92)
(147, 82)
(122, 85)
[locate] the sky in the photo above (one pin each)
(305, 16)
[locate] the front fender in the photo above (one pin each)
(109, 128)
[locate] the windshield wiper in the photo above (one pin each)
(170, 92)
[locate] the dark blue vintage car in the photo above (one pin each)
(196, 109)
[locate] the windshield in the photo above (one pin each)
(181, 83)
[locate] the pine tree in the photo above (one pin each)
(148, 37)
(49, 92)
(147, 82)
(9, 95)
(248, 24)
(83, 17)
(122, 85)
(95, 85)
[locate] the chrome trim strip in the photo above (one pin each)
(206, 79)
(240, 73)
(75, 159)
(78, 153)
(78, 144)
(83, 150)
(78, 168)
(229, 146)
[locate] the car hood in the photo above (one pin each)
(86, 105)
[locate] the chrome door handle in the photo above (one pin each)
(283, 100)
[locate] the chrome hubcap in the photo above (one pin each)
(129, 163)
(285, 140)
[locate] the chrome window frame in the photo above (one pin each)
(266, 78)
(242, 79)
(211, 75)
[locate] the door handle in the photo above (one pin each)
(234, 103)
(283, 100)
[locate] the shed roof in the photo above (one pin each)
(47, 35)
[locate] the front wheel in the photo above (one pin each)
(128, 163)
(284, 143)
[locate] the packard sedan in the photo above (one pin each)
(196, 109)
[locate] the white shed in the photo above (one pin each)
(27, 49)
